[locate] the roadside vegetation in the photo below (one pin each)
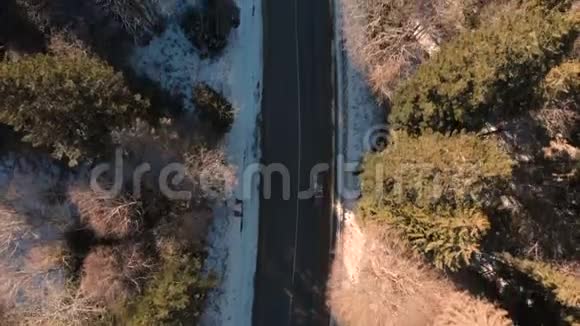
(73, 254)
(479, 178)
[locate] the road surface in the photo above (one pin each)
(295, 234)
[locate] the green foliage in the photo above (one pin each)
(435, 169)
(69, 104)
(490, 71)
(176, 293)
(213, 107)
(433, 189)
(562, 84)
(565, 288)
(448, 236)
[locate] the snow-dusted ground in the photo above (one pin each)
(171, 60)
(360, 125)
(360, 119)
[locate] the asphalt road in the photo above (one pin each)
(295, 234)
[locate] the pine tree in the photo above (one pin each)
(67, 104)
(213, 107)
(178, 289)
(435, 189)
(488, 72)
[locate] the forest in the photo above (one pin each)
(79, 247)
(472, 202)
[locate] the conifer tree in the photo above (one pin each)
(435, 190)
(488, 72)
(69, 104)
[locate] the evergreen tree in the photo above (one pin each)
(68, 104)
(213, 107)
(484, 73)
(434, 189)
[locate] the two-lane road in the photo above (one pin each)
(294, 241)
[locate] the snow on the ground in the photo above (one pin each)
(360, 117)
(360, 126)
(171, 60)
(351, 245)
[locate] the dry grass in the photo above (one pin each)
(59, 308)
(392, 286)
(462, 310)
(116, 218)
(113, 275)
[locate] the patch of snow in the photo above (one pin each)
(360, 124)
(171, 60)
(352, 244)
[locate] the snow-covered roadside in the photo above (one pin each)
(359, 124)
(171, 60)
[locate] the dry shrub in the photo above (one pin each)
(13, 230)
(28, 283)
(113, 275)
(379, 34)
(210, 172)
(207, 173)
(47, 256)
(59, 308)
(35, 290)
(389, 38)
(453, 14)
(116, 218)
(392, 286)
(462, 310)
(34, 257)
(65, 43)
(571, 269)
(182, 232)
